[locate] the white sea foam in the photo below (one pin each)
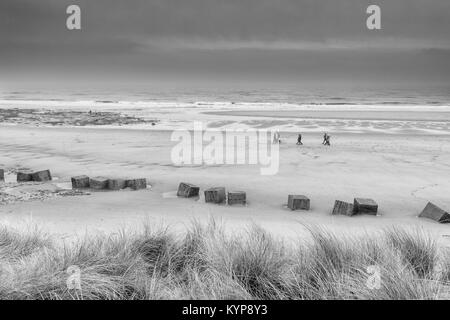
(174, 115)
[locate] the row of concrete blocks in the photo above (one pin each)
(100, 183)
(26, 176)
(301, 202)
(359, 206)
(368, 206)
(216, 195)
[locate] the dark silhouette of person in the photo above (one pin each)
(277, 137)
(327, 141)
(325, 137)
(299, 139)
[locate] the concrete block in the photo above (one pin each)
(24, 176)
(116, 184)
(215, 195)
(98, 183)
(237, 197)
(187, 190)
(43, 175)
(344, 208)
(80, 182)
(298, 202)
(433, 212)
(137, 184)
(365, 206)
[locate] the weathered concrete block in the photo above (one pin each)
(2, 175)
(341, 207)
(43, 175)
(80, 182)
(431, 211)
(23, 176)
(298, 202)
(187, 190)
(363, 205)
(215, 195)
(136, 184)
(116, 184)
(98, 183)
(237, 197)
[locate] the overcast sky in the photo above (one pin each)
(208, 41)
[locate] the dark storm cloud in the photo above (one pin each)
(228, 20)
(311, 37)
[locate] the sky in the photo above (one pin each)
(223, 42)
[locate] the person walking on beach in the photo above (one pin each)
(327, 141)
(325, 135)
(276, 137)
(299, 139)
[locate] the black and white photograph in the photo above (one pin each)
(224, 150)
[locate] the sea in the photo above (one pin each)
(178, 107)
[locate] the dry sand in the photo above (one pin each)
(401, 172)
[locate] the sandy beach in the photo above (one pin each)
(401, 169)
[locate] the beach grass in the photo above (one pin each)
(205, 262)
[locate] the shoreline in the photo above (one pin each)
(137, 129)
(154, 118)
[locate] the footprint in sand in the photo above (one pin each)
(415, 191)
(309, 154)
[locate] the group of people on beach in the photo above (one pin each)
(277, 139)
(326, 139)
